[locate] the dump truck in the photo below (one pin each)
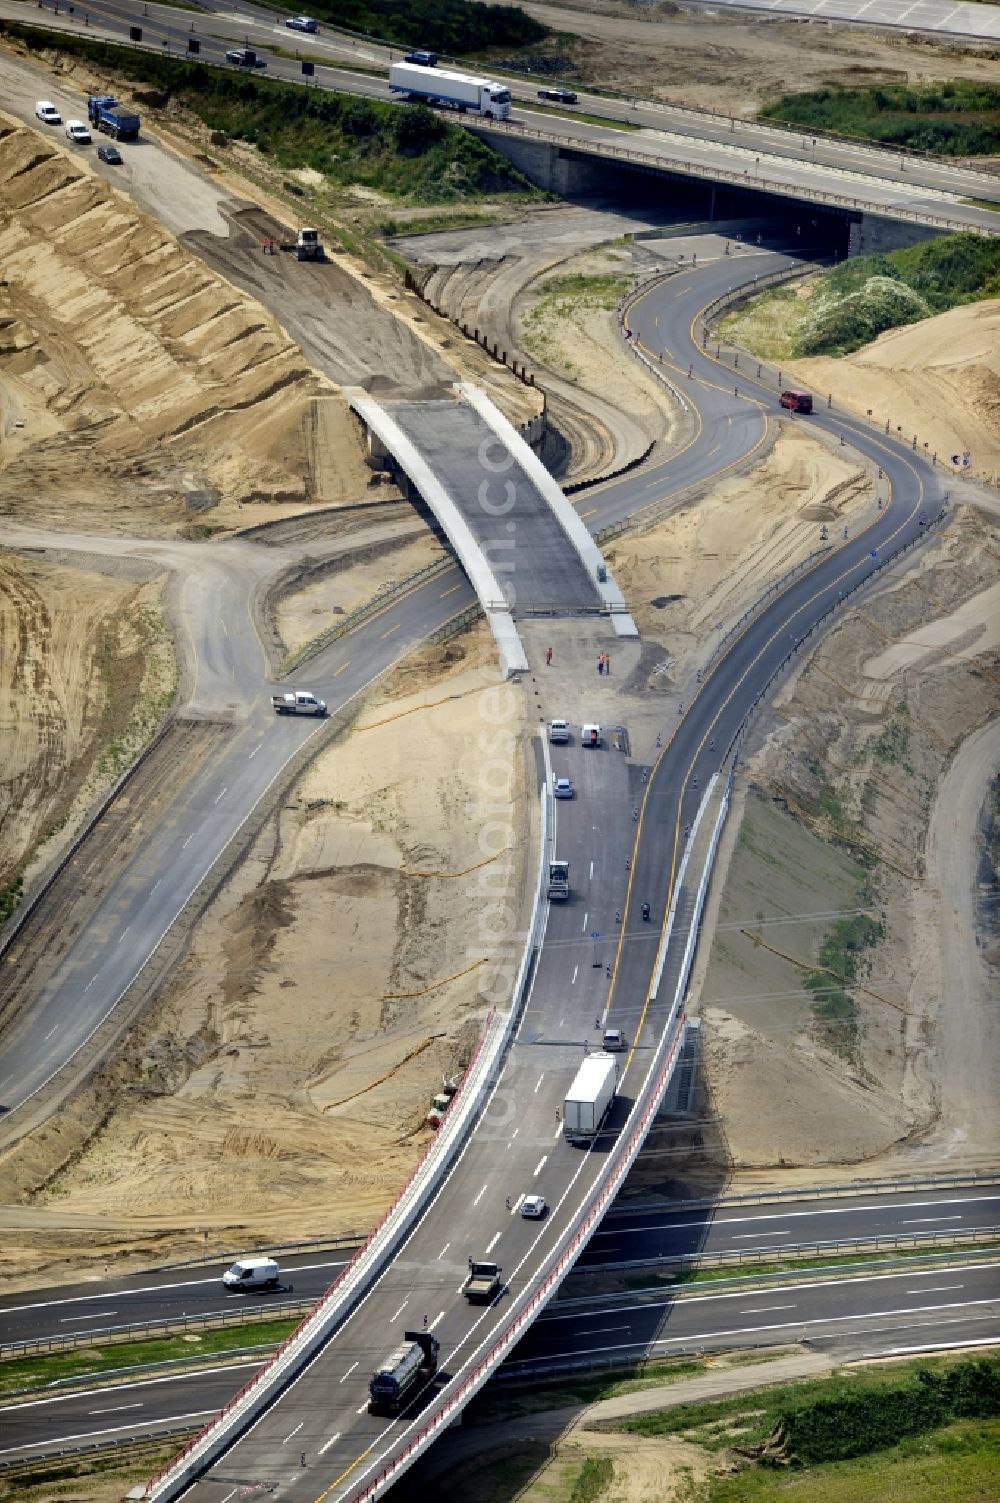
(104, 112)
(589, 1098)
(408, 1366)
(558, 879)
(308, 246)
(483, 1283)
(451, 91)
(297, 702)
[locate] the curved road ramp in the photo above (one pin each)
(504, 515)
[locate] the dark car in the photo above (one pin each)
(559, 96)
(245, 57)
(425, 59)
(302, 23)
(111, 155)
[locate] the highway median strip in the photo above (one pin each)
(101, 1362)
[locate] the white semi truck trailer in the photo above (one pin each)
(589, 1098)
(451, 91)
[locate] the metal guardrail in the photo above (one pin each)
(854, 1189)
(109, 1377)
(266, 1249)
(828, 1247)
(363, 613)
(167, 1325)
(11, 1466)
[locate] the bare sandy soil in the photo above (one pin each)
(279, 1089)
(844, 793)
(302, 615)
(139, 389)
(939, 379)
(86, 670)
(699, 570)
(734, 63)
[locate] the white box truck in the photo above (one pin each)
(453, 91)
(589, 1098)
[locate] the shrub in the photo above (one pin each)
(836, 325)
(857, 1424)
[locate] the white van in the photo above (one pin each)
(252, 1273)
(558, 732)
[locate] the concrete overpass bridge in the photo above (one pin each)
(866, 205)
(524, 548)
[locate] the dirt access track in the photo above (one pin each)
(734, 63)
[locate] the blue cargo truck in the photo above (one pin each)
(107, 115)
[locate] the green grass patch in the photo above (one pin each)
(982, 203)
(445, 219)
(409, 153)
(768, 324)
(450, 26)
(854, 1412)
(959, 119)
(593, 1480)
(954, 1464)
(559, 301)
(851, 305)
(102, 1360)
(70, 1477)
(894, 742)
(841, 953)
(10, 897)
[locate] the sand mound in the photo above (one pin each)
(59, 704)
(147, 386)
(939, 379)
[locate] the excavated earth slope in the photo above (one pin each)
(137, 387)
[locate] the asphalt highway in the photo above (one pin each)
(518, 1146)
(626, 1236)
(746, 153)
(867, 1314)
(181, 846)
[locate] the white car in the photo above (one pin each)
(77, 132)
(533, 1207)
(301, 23)
(47, 112)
